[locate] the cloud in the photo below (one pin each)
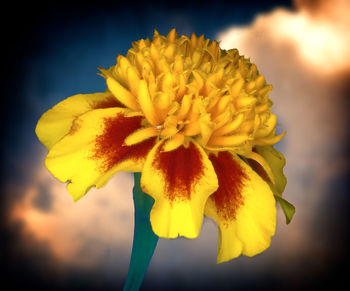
(318, 36)
(78, 233)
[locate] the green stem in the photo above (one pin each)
(145, 241)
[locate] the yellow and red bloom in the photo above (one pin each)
(195, 120)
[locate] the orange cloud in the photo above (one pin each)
(103, 217)
(320, 37)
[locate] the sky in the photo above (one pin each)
(53, 51)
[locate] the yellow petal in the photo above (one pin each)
(169, 132)
(154, 53)
(231, 126)
(56, 122)
(266, 128)
(133, 80)
(198, 79)
(141, 135)
(162, 103)
(180, 182)
(265, 90)
(206, 126)
(169, 52)
(222, 119)
(146, 103)
(261, 108)
(197, 55)
(120, 92)
(260, 81)
(245, 102)
(172, 144)
(230, 140)
(243, 208)
(170, 127)
(181, 82)
(93, 150)
(193, 40)
(124, 65)
(247, 126)
(178, 64)
(222, 103)
(269, 140)
(193, 128)
(250, 86)
(172, 35)
(167, 82)
(185, 107)
(163, 65)
(237, 87)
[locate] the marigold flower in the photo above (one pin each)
(195, 120)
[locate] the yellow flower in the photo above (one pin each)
(196, 121)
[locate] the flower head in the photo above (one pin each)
(196, 121)
(189, 89)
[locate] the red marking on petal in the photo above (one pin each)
(182, 168)
(107, 103)
(228, 197)
(109, 149)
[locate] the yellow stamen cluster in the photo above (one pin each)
(189, 88)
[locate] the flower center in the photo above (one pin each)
(189, 88)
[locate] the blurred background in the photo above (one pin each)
(52, 51)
